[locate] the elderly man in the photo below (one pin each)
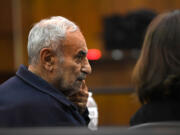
(51, 91)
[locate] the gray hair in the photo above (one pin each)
(48, 33)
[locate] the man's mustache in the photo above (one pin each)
(82, 77)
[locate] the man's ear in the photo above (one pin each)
(47, 58)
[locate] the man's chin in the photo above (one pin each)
(71, 91)
(76, 88)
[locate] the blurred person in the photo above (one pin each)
(157, 72)
(51, 91)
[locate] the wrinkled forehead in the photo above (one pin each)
(74, 41)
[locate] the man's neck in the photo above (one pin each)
(41, 73)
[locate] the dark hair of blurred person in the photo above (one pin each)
(156, 75)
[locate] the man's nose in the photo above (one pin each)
(86, 67)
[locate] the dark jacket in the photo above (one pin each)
(157, 111)
(28, 100)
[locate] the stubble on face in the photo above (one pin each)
(69, 73)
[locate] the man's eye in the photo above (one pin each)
(80, 57)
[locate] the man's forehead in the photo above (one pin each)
(74, 35)
(75, 41)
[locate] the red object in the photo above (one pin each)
(94, 54)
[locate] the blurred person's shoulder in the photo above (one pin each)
(164, 110)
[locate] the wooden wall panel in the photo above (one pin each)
(124, 6)
(6, 55)
(6, 37)
(6, 16)
(115, 109)
(111, 74)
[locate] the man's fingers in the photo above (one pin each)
(81, 105)
(83, 93)
(84, 86)
(78, 99)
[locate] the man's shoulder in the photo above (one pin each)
(13, 83)
(15, 89)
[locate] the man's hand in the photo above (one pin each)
(80, 98)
